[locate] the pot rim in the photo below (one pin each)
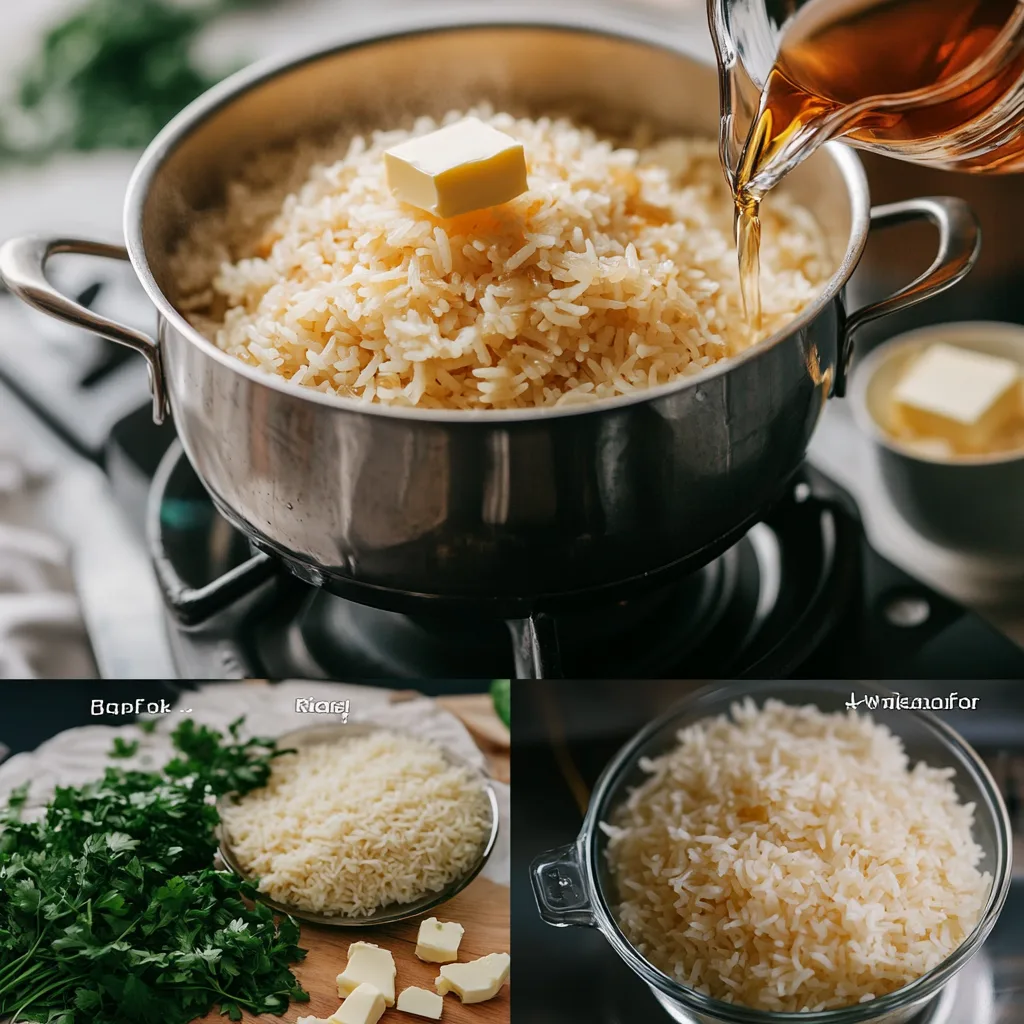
(602, 25)
(867, 368)
(928, 984)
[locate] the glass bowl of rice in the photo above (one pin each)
(763, 852)
(361, 825)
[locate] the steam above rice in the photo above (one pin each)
(345, 828)
(615, 271)
(787, 859)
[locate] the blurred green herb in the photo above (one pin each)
(112, 75)
(110, 912)
(501, 694)
(124, 748)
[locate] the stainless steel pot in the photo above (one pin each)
(516, 509)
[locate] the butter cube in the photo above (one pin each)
(368, 963)
(476, 981)
(421, 1002)
(959, 396)
(365, 1005)
(457, 169)
(313, 1020)
(438, 941)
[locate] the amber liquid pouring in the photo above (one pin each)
(938, 81)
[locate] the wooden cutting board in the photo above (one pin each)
(482, 909)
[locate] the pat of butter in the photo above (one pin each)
(438, 941)
(477, 980)
(368, 963)
(457, 169)
(957, 395)
(365, 1005)
(421, 1002)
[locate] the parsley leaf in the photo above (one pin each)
(123, 748)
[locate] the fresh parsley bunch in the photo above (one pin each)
(111, 913)
(501, 694)
(111, 75)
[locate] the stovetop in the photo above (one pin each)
(564, 733)
(802, 594)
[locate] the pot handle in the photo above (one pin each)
(23, 269)
(559, 890)
(959, 246)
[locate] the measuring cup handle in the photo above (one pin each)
(23, 269)
(559, 888)
(959, 246)
(730, 134)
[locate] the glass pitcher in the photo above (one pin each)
(970, 120)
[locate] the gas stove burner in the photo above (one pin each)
(425, 645)
(800, 594)
(730, 616)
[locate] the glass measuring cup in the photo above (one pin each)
(990, 89)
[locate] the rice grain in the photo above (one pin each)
(345, 828)
(622, 254)
(788, 859)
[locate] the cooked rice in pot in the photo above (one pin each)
(616, 271)
(788, 860)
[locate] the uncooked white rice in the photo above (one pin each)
(615, 271)
(788, 859)
(344, 828)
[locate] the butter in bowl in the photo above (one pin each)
(945, 407)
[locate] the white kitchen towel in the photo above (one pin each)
(41, 629)
(79, 755)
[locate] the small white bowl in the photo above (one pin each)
(970, 503)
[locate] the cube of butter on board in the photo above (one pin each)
(477, 980)
(462, 167)
(421, 1002)
(365, 1005)
(438, 941)
(959, 396)
(368, 963)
